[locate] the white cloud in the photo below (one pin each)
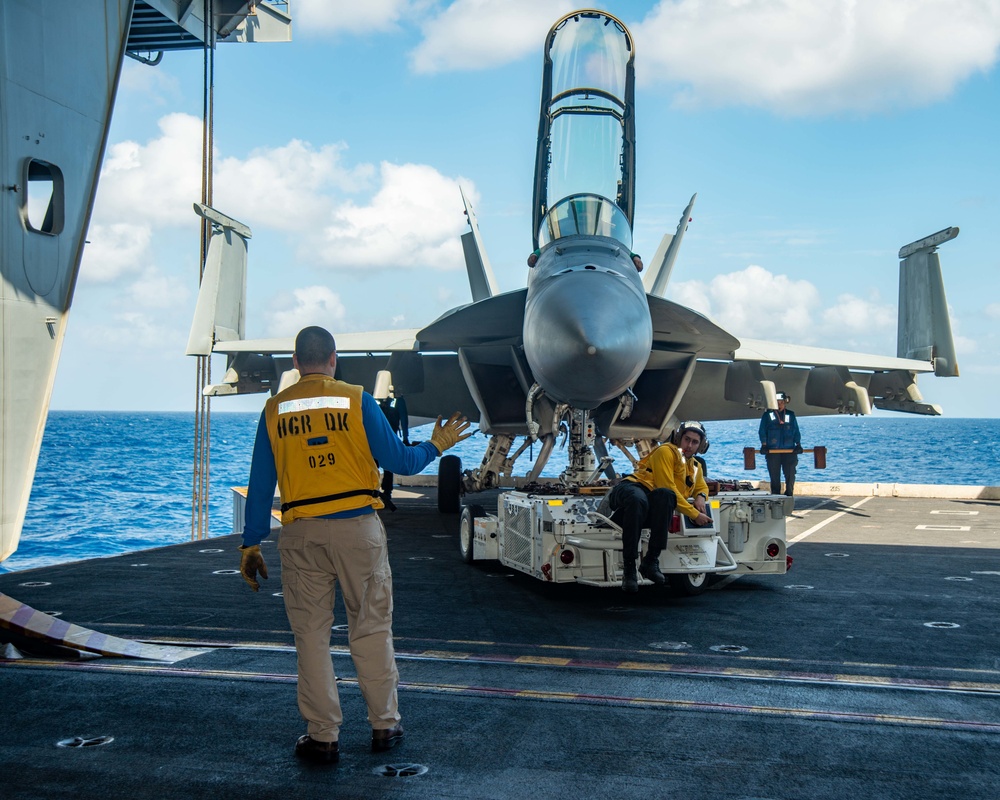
(114, 250)
(313, 305)
(856, 323)
(414, 220)
(348, 16)
(447, 297)
(136, 330)
(478, 34)
(754, 302)
(993, 311)
(156, 290)
(150, 86)
(982, 369)
(758, 304)
(821, 56)
(157, 182)
(853, 316)
(286, 187)
(964, 346)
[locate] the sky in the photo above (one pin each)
(819, 136)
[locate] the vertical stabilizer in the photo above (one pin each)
(656, 279)
(481, 280)
(924, 330)
(220, 314)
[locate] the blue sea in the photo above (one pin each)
(117, 482)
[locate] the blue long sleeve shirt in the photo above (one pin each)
(779, 435)
(386, 448)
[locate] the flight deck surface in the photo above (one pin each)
(871, 669)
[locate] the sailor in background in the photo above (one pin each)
(779, 430)
(392, 417)
(318, 441)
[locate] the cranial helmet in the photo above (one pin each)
(697, 427)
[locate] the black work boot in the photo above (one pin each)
(649, 568)
(630, 579)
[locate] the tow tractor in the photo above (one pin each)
(562, 537)
(564, 532)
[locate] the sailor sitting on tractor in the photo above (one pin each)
(662, 482)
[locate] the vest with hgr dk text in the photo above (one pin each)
(320, 449)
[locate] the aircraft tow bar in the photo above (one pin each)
(750, 456)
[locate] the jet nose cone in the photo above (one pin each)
(587, 336)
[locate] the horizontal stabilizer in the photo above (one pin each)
(496, 320)
(260, 365)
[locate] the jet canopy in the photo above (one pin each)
(588, 215)
(586, 127)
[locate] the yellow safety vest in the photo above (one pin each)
(321, 452)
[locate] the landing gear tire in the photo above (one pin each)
(449, 485)
(466, 531)
(690, 583)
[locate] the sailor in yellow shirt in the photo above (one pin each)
(662, 481)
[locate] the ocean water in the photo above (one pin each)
(117, 482)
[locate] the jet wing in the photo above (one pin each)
(781, 353)
(366, 342)
(432, 383)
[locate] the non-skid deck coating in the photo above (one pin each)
(871, 670)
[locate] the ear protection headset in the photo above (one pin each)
(697, 427)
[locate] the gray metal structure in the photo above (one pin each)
(60, 62)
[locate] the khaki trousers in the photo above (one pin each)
(315, 554)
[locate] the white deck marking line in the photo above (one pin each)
(820, 504)
(943, 528)
(827, 521)
(721, 584)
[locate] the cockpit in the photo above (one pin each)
(588, 215)
(584, 167)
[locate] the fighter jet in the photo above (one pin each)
(590, 347)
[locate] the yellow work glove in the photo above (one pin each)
(448, 434)
(251, 563)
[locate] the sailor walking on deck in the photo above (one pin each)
(318, 441)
